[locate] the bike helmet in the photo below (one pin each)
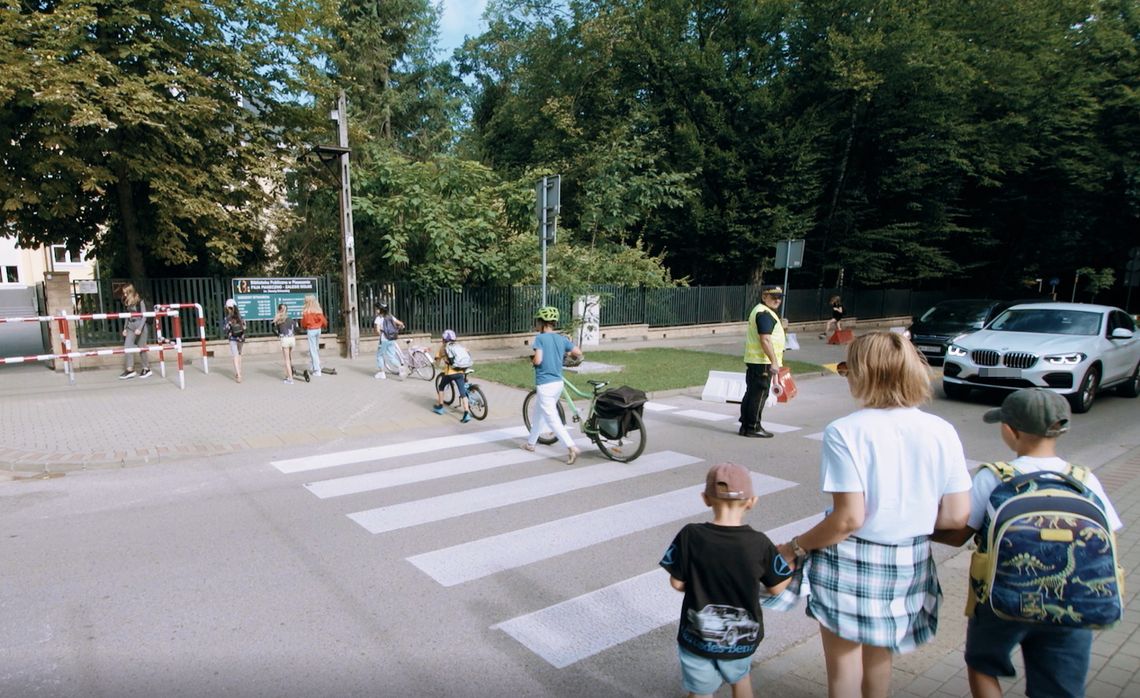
(382, 306)
(547, 313)
(449, 336)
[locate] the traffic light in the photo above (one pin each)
(1132, 268)
(548, 192)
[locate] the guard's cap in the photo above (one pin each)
(231, 303)
(775, 290)
(1033, 411)
(729, 481)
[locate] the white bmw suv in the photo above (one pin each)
(1075, 349)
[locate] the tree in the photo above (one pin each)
(154, 130)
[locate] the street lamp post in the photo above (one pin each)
(348, 245)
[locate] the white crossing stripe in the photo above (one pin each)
(442, 507)
(368, 482)
(360, 455)
(581, 627)
(658, 406)
(818, 436)
(480, 558)
(779, 428)
(703, 415)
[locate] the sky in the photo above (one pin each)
(460, 18)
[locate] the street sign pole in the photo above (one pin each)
(542, 236)
(547, 200)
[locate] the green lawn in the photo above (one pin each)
(650, 370)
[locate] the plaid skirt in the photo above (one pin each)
(876, 594)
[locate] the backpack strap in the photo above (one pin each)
(1004, 471)
(1078, 472)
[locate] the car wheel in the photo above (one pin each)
(1082, 400)
(1131, 387)
(954, 391)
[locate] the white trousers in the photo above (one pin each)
(547, 417)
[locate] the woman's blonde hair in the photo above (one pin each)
(130, 295)
(282, 314)
(312, 305)
(885, 370)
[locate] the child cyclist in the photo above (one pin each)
(720, 566)
(549, 349)
(451, 374)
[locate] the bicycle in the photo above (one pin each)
(615, 443)
(417, 359)
(476, 400)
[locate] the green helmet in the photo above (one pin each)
(547, 313)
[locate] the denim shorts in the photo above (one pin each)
(1056, 659)
(703, 676)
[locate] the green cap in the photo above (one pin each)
(1033, 411)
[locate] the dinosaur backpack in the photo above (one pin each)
(1046, 552)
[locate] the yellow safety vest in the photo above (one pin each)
(753, 352)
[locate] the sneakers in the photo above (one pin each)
(438, 409)
(527, 446)
(239, 378)
(127, 374)
(466, 418)
(315, 373)
(145, 373)
(573, 455)
(380, 376)
(288, 381)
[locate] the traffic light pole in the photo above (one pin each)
(542, 234)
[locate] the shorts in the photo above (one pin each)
(235, 347)
(288, 342)
(458, 378)
(703, 676)
(1056, 659)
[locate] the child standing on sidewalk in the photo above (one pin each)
(388, 326)
(720, 566)
(1056, 657)
(287, 333)
(451, 374)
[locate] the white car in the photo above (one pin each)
(1074, 349)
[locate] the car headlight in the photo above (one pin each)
(955, 350)
(1064, 359)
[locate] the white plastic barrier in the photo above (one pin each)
(724, 386)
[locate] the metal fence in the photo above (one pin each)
(501, 310)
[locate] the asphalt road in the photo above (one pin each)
(417, 564)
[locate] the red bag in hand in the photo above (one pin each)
(788, 388)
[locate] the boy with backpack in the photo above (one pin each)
(1045, 572)
(455, 360)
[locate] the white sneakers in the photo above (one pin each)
(380, 375)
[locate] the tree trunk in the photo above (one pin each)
(128, 217)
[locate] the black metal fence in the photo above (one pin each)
(499, 310)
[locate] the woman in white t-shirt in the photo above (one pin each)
(894, 473)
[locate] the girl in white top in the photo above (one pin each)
(894, 474)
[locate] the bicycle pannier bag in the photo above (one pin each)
(1046, 552)
(614, 407)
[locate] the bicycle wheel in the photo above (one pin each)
(624, 448)
(423, 366)
(477, 401)
(530, 413)
(448, 390)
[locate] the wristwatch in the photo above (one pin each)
(797, 548)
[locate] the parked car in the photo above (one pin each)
(1074, 349)
(932, 331)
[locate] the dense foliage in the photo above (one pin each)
(921, 143)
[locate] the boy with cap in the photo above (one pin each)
(1056, 658)
(719, 566)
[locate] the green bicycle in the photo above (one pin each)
(621, 439)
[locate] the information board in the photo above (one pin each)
(257, 299)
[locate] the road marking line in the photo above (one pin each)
(394, 450)
(368, 482)
(658, 406)
(703, 415)
(780, 428)
(442, 507)
(479, 558)
(818, 436)
(581, 627)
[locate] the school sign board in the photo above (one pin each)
(257, 299)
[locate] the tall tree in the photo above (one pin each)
(153, 130)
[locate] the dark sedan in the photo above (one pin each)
(932, 332)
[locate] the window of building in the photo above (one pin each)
(11, 275)
(61, 255)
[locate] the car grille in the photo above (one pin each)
(1014, 359)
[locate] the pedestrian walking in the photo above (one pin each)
(286, 333)
(1056, 657)
(719, 566)
(234, 329)
(763, 357)
(313, 321)
(388, 327)
(835, 322)
(135, 334)
(550, 348)
(895, 474)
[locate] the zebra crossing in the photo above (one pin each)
(570, 630)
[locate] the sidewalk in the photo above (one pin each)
(48, 426)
